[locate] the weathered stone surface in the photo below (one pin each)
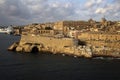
(27, 48)
(101, 39)
(19, 49)
(13, 46)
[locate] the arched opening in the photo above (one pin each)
(35, 50)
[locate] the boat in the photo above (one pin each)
(7, 30)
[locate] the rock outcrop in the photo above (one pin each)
(13, 46)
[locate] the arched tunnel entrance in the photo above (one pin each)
(35, 50)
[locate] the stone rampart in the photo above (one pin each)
(47, 41)
(101, 39)
(69, 46)
(99, 36)
(36, 43)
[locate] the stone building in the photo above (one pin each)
(65, 26)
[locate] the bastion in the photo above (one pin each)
(56, 45)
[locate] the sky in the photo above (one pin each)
(20, 12)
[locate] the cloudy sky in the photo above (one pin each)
(18, 12)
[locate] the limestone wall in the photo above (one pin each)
(99, 36)
(106, 44)
(101, 39)
(48, 42)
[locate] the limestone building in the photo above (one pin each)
(65, 26)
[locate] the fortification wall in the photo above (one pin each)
(105, 44)
(30, 43)
(49, 42)
(98, 39)
(99, 36)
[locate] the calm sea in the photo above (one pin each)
(17, 66)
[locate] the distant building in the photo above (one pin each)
(64, 26)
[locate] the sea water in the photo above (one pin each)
(22, 66)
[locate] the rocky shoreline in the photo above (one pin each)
(14, 47)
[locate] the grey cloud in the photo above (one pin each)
(99, 8)
(51, 11)
(30, 11)
(12, 11)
